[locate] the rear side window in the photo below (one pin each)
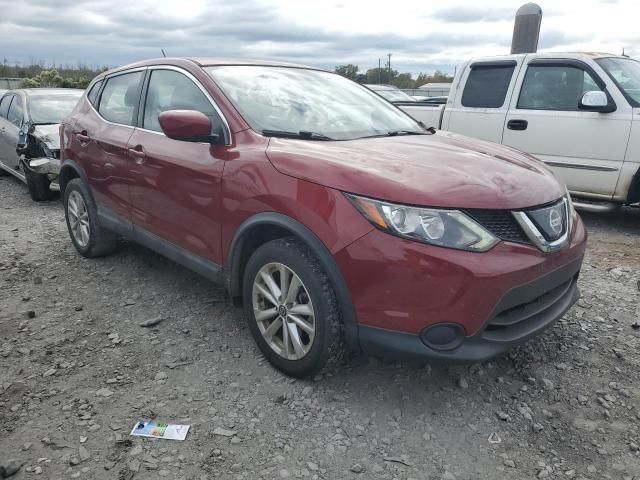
(119, 98)
(487, 86)
(16, 113)
(4, 105)
(93, 93)
(558, 87)
(171, 90)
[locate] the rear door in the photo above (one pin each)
(584, 149)
(176, 185)
(102, 133)
(481, 98)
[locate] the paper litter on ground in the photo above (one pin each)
(155, 429)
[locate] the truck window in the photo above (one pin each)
(554, 87)
(487, 86)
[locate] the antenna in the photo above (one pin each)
(163, 54)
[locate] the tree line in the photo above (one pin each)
(382, 75)
(38, 74)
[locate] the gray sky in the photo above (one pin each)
(421, 35)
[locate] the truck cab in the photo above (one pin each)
(577, 112)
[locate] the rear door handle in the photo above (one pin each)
(83, 137)
(138, 154)
(517, 124)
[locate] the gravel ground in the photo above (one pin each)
(77, 371)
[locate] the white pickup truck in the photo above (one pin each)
(577, 112)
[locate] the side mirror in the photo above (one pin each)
(596, 101)
(25, 129)
(187, 126)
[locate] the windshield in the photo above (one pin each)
(296, 99)
(626, 73)
(395, 95)
(51, 108)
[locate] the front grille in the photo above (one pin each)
(501, 223)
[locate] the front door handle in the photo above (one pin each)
(138, 154)
(517, 124)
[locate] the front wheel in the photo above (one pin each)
(38, 185)
(291, 308)
(88, 236)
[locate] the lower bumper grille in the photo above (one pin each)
(529, 308)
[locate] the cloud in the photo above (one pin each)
(473, 14)
(421, 38)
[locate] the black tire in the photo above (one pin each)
(327, 347)
(101, 241)
(38, 186)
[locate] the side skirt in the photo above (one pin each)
(15, 173)
(114, 222)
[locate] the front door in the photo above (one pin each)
(10, 125)
(176, 185)
(584, 149)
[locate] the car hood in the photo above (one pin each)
(48, 134)
(440, 170)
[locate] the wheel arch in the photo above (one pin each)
(633, 195)
(264, 227)
(68, 172)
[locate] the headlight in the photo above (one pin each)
(444, 228)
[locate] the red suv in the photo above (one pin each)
(339, 220)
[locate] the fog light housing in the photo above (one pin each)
(443, 336)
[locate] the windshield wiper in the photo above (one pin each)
(303, 135)
(395, 133)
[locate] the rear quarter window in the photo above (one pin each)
(487, 86)
(92, 96)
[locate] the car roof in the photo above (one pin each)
(558, 55)
(48, 91)
(205, 62)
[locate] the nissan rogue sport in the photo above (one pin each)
(339, 221)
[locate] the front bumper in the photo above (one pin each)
(45, 165)
(48, 166)
(524, 312)
(497, 299)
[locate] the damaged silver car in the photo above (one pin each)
(29, 135)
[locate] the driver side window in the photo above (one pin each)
(16, 114)
(171, 90)
(557, 87)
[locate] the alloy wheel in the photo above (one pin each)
(283, 311)
(78, 219)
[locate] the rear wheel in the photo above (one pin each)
(38, 186)
(291, 308)
(88, 236)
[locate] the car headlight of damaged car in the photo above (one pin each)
(444, 228)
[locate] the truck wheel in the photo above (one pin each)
(38, 186)
(88, 236)
(291, 308)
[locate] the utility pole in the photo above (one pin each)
(389, 55)
(379, 72)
